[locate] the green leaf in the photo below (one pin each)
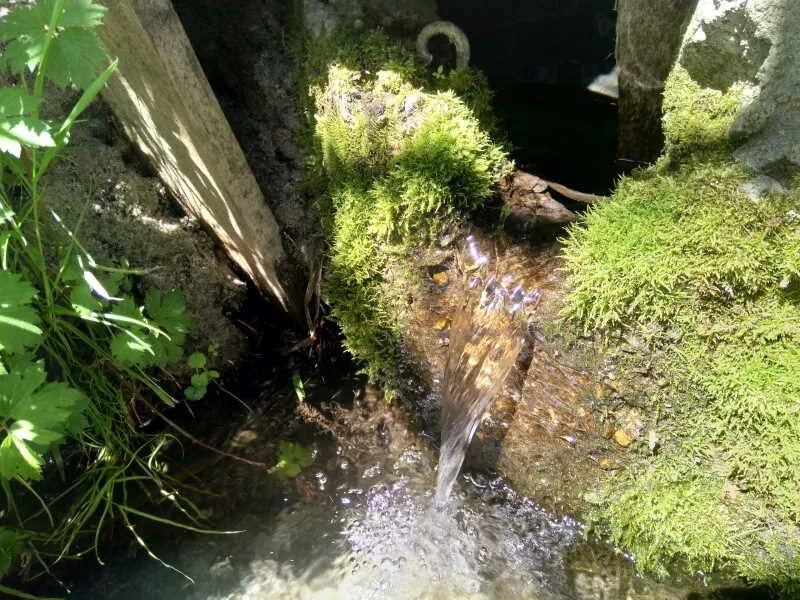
(168, 310)
(14, 290)
(27, 20)
(84, 303)
(10, 547)
(82, 13)
(14, 464)
(75, 56)
(35, 416)
(24, 131)
(168, 351)
(133, 348)
(16, 102)
(200, 380)
(25, 28)
(9, 146)
(292, 459)
(50, 408)
(18, 126)
(195, 393)
(19, 324)
(142, 343)
(74, 52)
(126, 314)
(196, 360)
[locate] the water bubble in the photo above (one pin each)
(371, 472)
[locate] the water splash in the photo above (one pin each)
(486, 337)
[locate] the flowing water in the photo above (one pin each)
(486, 337)
(362, 524)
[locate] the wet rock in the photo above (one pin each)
(543, 433)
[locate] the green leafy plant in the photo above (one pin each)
(34, 416)
(201, 377)
(292, 459)
(75, 342)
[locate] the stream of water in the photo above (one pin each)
(363, 524)
(486, 336)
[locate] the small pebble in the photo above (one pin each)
(622, 438)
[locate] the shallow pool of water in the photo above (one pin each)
(361, 523)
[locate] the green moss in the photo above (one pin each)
(709, 278)
(697, 118)
(673, 505)
(398, 157)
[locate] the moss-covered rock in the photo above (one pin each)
(708, 277)
(396, 164)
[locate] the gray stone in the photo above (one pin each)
(403, 16)
(725, 48)
(753, 43)
(649, 37)
(758, 187)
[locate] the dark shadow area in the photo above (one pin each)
(539, 58)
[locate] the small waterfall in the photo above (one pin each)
(486, 337)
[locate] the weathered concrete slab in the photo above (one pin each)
(649, 34)
(166, 106)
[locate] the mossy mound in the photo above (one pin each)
(398, 158)
(710, 278)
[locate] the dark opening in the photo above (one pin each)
(539, 58)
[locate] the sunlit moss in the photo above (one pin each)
(397, 158)
(677, 506)
(697, 118)
(708, 277)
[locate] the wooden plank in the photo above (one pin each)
(167, 107)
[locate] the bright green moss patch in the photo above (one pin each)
(676, 507)
(696, 118)
(397, 162)
(709, 278)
